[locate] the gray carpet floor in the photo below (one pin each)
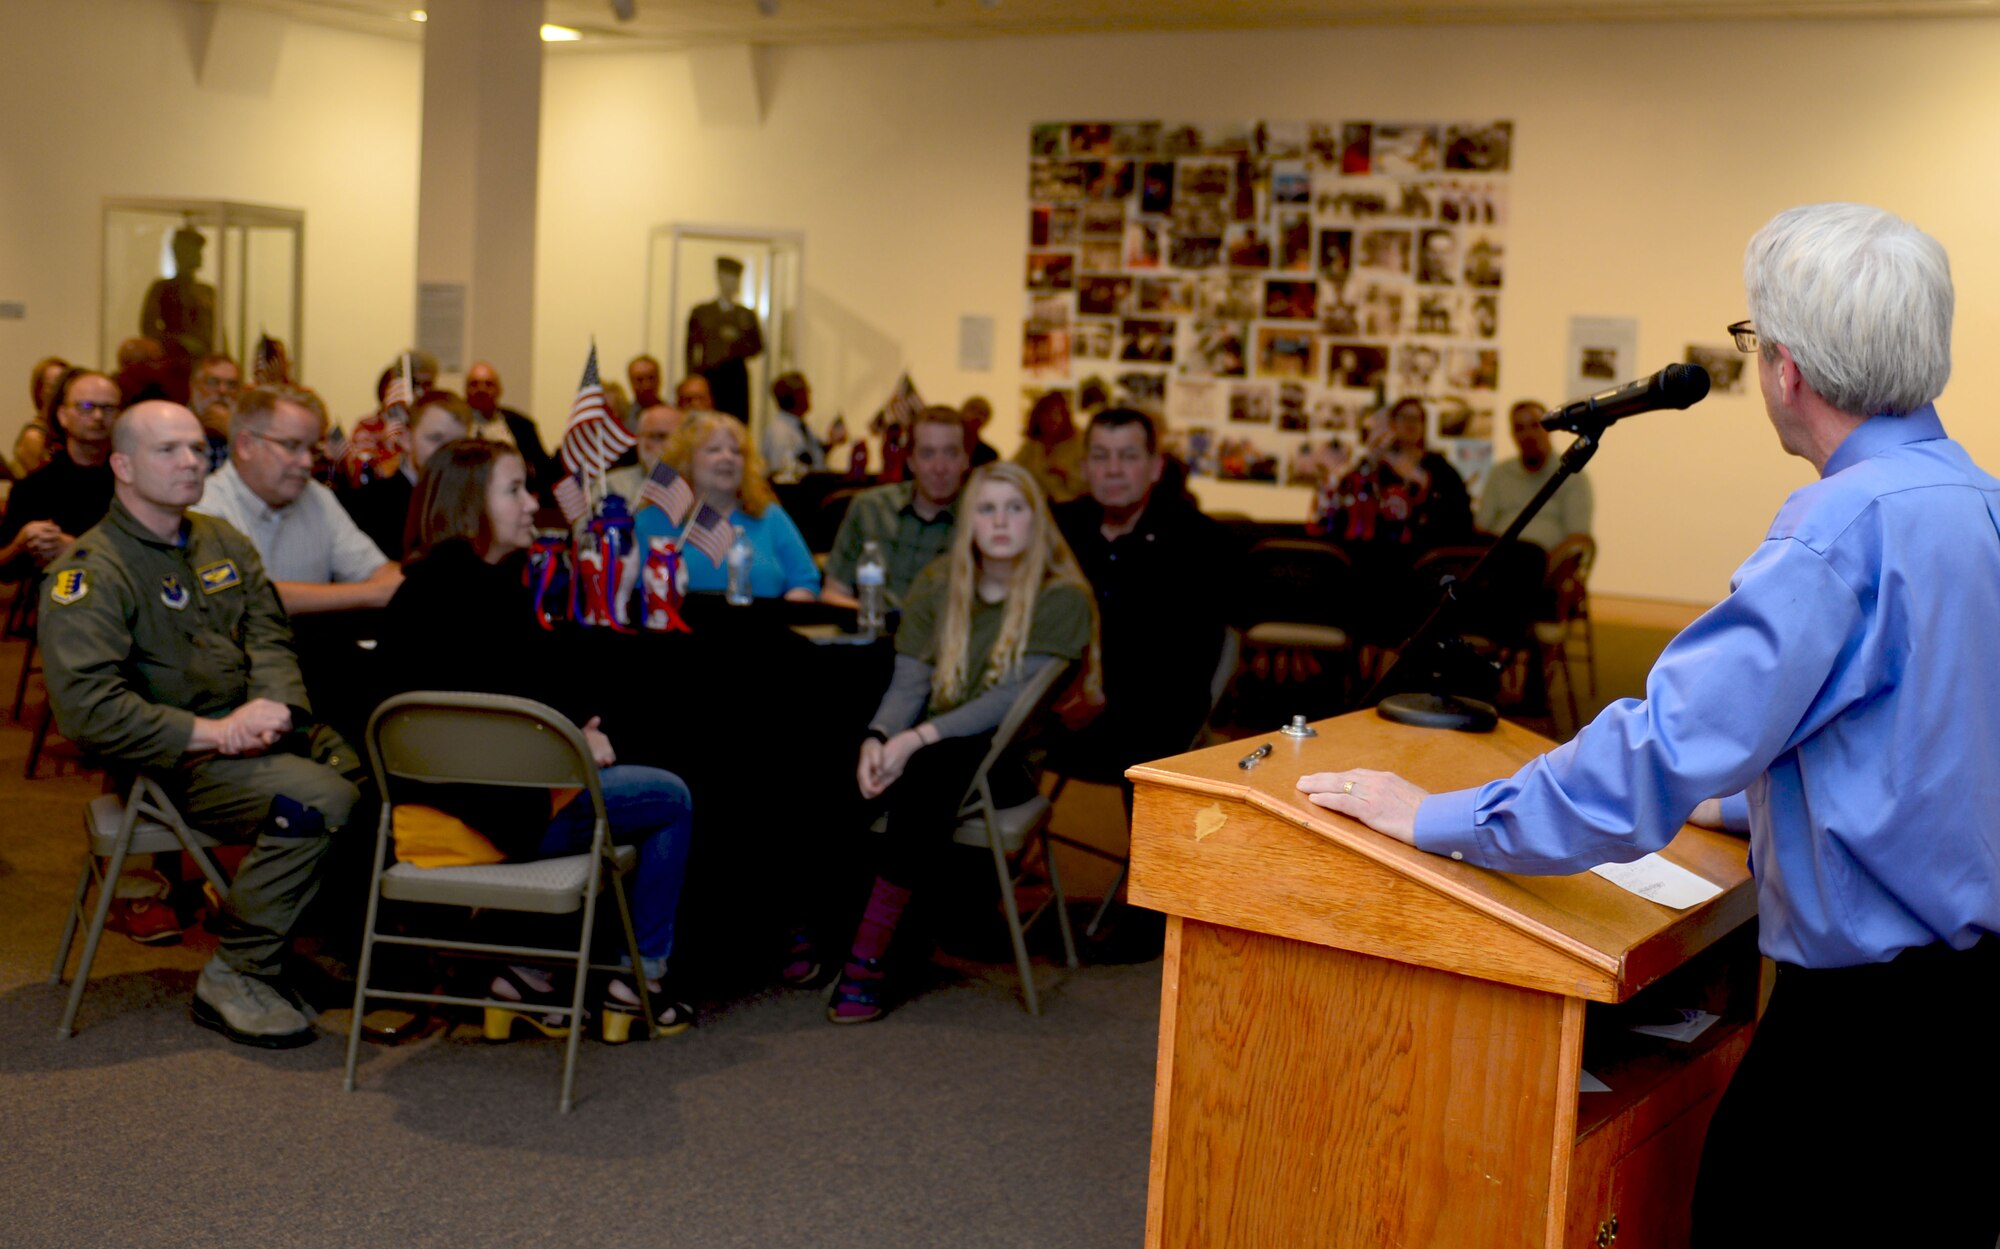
(959, 1121)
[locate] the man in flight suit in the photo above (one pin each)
(165, 648)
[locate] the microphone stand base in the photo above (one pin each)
(1439, 711)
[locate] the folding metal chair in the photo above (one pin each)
(1006, 830)
(433, 737)
(144, 821)
(1218, 686)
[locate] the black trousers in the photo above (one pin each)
(1866, 1112)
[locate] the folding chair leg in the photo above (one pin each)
(638, 959)
(69, 921)
(1061, 902)
(1110, 896)
(21, 686)
(41, 737)
(107, 885)
(367, 961)
(1013, 909)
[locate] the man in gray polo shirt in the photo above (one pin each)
(314, 553)
(910, 521)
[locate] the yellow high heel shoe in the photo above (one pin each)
(619, 1013)
(518, 984)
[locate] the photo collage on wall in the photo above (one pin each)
(1263, 286)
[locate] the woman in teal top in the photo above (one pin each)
(978, 625)
(713, 452)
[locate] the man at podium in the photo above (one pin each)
(1844, 701)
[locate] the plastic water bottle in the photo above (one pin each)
(869, 579)
(738, 593)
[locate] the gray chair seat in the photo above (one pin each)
(1014, 824)
(105, 817)
(544, 886)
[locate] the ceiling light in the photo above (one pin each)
(418, 15)
(560, 34)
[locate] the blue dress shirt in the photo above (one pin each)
(779, 560)
(1848, 685)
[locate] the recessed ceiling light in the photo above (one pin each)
(560, 34)
(418, 15)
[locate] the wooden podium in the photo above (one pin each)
(1365, 1045)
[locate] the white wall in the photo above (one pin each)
(99, 98)
(1646, 155)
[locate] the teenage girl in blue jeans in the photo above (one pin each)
(463, 619)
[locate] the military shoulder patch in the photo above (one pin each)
(173, 593)
(219, 576)
(69, 585)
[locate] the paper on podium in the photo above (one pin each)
(1656, 880)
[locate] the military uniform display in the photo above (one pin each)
(719, 342)
(140, 635)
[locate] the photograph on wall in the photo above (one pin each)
(1724, 365)
(1603, 351)
(1270, 283)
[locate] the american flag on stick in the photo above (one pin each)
(906, 405)
(669, 491)
(711, 533)
(397, 401)
(575, 504)
(594, 438)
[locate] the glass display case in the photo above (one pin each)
(688, 270)
(201, 276)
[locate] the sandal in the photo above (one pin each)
(857, 995)
(621, 1011)
(532, 987)
(804, 967)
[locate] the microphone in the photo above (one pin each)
(1677, 386)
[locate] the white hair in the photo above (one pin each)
(1861, 297)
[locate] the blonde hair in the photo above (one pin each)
(695, 430)
(1045, 560)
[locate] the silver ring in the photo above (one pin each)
(1347, 788)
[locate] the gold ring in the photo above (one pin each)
(1347, 788)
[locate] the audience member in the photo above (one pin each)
(382, 507)
(977, 626)
(1512, 484)
(212, 389)
(644, 374)
(209, 700)
(31, 450)
(909, 521)
(1051, 449)
(498, 424)
(791, 449)
(1163, 575)
(693, 395)
(313, 552)
(712, 450)
(1400, 492)
(145, 372)
(471, 528)
(70, 493)
(977, 412)
(623, 480)
(41, 385)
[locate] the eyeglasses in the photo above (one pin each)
(290, 446)
(87, 408)
(1745, 335)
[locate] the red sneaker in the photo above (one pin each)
(145, 920)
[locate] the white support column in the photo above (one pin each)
(476, 188)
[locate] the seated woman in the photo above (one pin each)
(977, 624)
(712, 450)
(1399, 493)
(463, 619)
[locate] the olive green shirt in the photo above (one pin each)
(887, 516)
(140, 635)
(1060, 628)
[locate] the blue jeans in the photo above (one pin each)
(648, 808)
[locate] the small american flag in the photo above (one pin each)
(594, 437)
(668, 490)
(571, 499)
(906, 405)
(711, 533)
(396, 403)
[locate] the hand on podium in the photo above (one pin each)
(1383, 801)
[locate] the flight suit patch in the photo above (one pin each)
(70, 585)
(173, 593)
(219, 576)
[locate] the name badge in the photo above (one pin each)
(173, 593)
(219, 576)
